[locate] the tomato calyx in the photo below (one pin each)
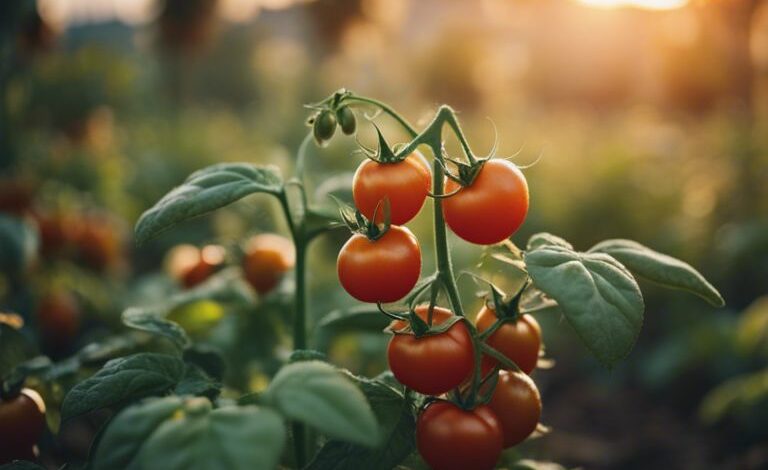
(357, 223)
(465, 173)
(384, 153)
(420, 328)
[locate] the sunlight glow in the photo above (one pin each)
(642, 4)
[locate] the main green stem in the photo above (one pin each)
(302, 444)
(442, 255)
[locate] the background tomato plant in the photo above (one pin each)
(664, 157)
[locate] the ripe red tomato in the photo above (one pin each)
(450, 438)
(22, 421)
(99, 242)
(57, 231)
(191, 265)
(433, 364)
(517, 404)
(382, 270)
(492, 208)
(405, 184)
(520, 341)
(268, 257)
(58, 318)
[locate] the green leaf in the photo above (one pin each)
(319, 220)
(598, 296)
(742, 394)
(317, 394)
(146, 321)
(206, 190)
(175, 434)
(358, 318)
(196, 382)
(19, 244)
(396, 425)
(208, 359)
(129, 430)
(236, 438)
(15, 348)
(543, 239)
(123, 380)
(660, 268)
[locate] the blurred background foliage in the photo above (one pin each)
(642, 119)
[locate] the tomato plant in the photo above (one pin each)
(457, 392)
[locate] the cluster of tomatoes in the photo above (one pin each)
(265, 259)
(91, 238)
(452, 432)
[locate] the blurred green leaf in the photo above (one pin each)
(321, 220)
(19, 244)
(659, 268)
(598, 296)
(130, 429)
(15, 348)
(240, 438)
(741, 393)
(123, 380)
(206, 190)
(208, 359)
(752, 330)
(196, 382)
(317, 394)
(360, 317)
(176, 434)
(396, 426)
(146, 321)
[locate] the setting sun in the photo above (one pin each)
(643, 4)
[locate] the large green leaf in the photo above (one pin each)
(175, 434)
(317, 394)
(598, 296)
(147, 321)
(123, 380)
(659, 268)
(237, 438)
(396, 424)
(206, 190)
(129, 430)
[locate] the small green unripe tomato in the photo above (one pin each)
(347, 120)
(324, 126)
